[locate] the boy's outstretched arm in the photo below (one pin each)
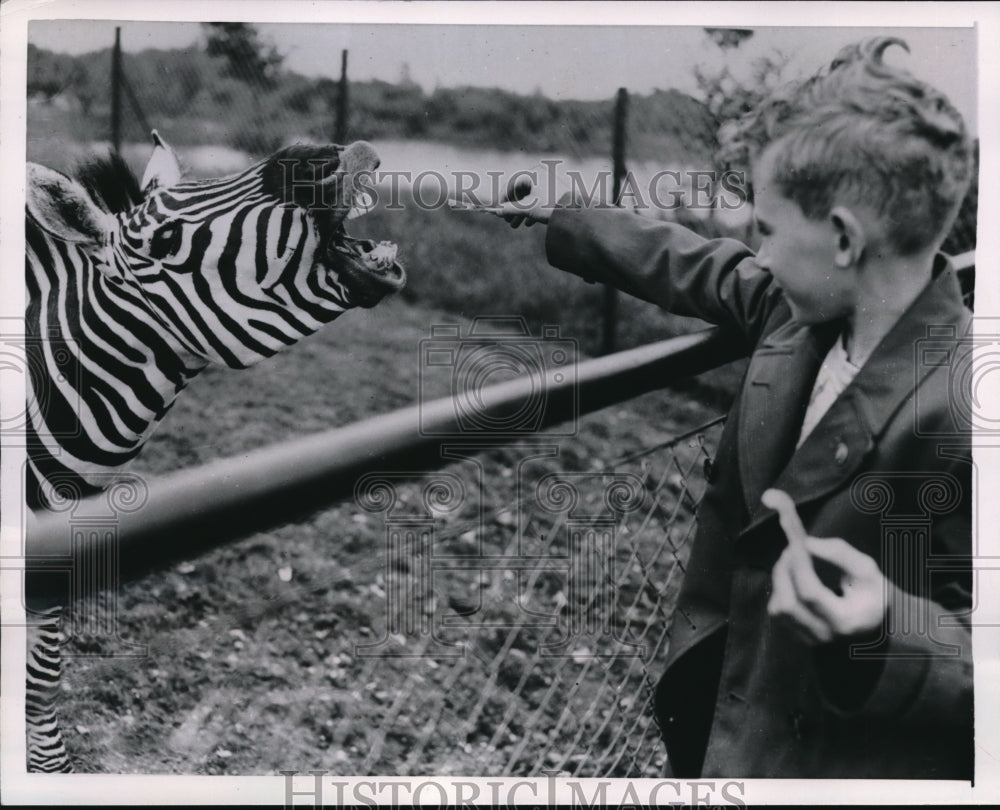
(660, 262)
(665, 263)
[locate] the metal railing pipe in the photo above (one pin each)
(194, 509)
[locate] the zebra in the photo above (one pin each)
(134, 287)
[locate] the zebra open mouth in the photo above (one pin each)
(368, 269)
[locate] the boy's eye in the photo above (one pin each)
(166, 241)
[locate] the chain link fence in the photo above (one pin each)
(528, 640)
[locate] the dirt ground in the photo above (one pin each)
(240, 661)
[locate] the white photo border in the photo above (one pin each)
(20, 788)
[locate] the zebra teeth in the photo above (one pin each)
(369, 268)
(381, 257)
(376, 256)
(348, 247)
(363, 203)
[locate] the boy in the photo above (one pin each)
(814, 636)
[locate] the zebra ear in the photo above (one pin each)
(163, 168)
(63, 208)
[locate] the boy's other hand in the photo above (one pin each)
(800, 600)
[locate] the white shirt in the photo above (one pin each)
(834, 376)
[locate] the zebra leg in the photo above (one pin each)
(46, 752)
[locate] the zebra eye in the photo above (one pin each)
(166, 241)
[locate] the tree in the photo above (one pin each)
(248, 58)
(48, 73)
(89, 86)
(727, 38)
(727, 95)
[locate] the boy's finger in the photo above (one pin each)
(810, 592)
(785, 605)
(787, 588)
(788, 516)
(835, 550)
(809, 588)
(536, 213)
(509, 209)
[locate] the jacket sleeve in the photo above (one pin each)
(666, 264)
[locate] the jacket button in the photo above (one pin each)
(841, 453)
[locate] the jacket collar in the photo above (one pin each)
(779, 382)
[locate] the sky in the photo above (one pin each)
(581, 62)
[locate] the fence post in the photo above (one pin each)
(610, 319)
(116, 91)
(340, 135)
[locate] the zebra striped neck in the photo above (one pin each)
(104, 371)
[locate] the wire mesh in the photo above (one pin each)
(551, 666)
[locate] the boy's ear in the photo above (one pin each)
(850, 235)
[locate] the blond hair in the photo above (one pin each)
(870, 132)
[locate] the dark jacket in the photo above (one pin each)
(888, 468)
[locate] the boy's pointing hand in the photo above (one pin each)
(800, 600)
(522, 205)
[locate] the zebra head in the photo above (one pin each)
(238, 268)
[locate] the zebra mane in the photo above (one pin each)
(111, 183)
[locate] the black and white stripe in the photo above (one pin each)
(132, 292)
(46, 752)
